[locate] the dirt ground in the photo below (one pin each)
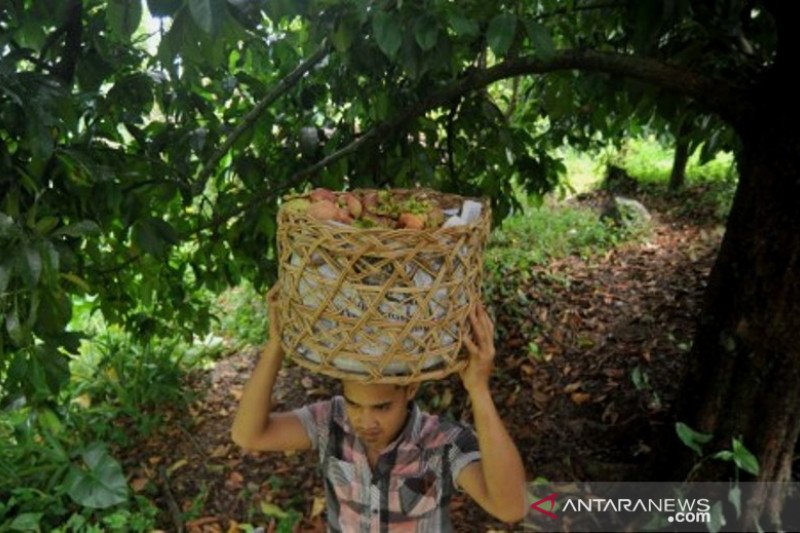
(612, 332)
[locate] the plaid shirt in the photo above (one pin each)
(414, 478)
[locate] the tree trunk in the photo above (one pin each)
(678, 176)
(743, 377)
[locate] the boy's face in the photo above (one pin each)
(377, 411)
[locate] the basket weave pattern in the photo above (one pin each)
(378, 304)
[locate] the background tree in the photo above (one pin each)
(134, 176)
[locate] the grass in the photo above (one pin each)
(645, 159)
(549, 232)
(242, 316)
(584, 170)
(649, 161)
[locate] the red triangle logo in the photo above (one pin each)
(552, 500)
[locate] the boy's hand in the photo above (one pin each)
(481, 350)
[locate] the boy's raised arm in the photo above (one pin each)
(255, 426)
(497, 481)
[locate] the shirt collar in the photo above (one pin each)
(411, 431)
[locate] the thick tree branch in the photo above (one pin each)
(717, 95)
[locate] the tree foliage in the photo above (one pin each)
(141, 161)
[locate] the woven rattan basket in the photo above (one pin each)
(379, 305)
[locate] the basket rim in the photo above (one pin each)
(485, 201)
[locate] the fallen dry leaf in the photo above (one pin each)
(221, 451)
(139, 484)
(177, 465)
(579, 398)
(540, 398)
(235, 480)
(317, 506)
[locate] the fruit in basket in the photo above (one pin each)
(370, 201)
(321, 194)
(352, 203)
(323, 210)
(369, 220)
(373, 208)
(297, 205)
(343, 215)
(411, 221)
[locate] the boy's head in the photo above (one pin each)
(377, 411)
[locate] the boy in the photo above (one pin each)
(388, 466)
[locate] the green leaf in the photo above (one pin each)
(270, 509)
(26, 522)
(46, 224)
(463, 26)
(92, 70)
(7, 226)
(14, 327)
(132, 94)
(76, 280)
(50, 422)
(541, 40)
(123, 17)
(388, 34)
(641, 380)
(717, 518)
(735, 497)
(724, 455)
(78, 229)
(344, 34)
(55, 312)
(500, 34)
(278, 9)
(691, 438)
(102, 485)
(33, 264)
(410, 57)
(207, 14)
(172, 42)
(744, 459)
(154, 236)
(5, 277)
(46, 372)
(163, 8)
(426, 32)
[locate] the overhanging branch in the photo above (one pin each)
(720, 97)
